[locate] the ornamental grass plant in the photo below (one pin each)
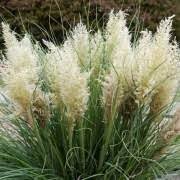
(93, 108)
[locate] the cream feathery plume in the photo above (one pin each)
(80, 42)
(69, 84)
(143, 58)
(73, 86)
(165, 62)
(21, 74)
(20, 54)
(119, 51)
(19, 90)
(52, 71)
(118, 39)
(21, 58)
(157, 67)
(9, 36)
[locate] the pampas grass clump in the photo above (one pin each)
(93, 108)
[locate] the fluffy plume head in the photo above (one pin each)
(9, 36)
(19, 90)
(80, 43)
(20, 54)
(118, 39)
(74, 91)
(157, 67)
(21, 58)
(69, 84)
(21, 74)
(52, 71)
(119, 52)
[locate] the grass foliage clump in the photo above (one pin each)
(93, 108)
